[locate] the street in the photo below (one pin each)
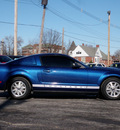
(50, 111)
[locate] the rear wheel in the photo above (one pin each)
(19, 88)
(110, 88)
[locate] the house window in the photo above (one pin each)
(83, 59)
(78, 52)
(97, 59)
(30, 51)
(35, 50)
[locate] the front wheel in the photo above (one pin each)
(110, 88)
(19, 88)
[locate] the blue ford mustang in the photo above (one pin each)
(57, 72)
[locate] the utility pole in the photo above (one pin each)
(44, 3)
(15, 29)
(109, 37)
(63, 41)
(2, 42)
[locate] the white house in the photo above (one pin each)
(88, 54)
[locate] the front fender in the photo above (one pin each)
(105, 76)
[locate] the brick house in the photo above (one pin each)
(46, 48)
(88, 54)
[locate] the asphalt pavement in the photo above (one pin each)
(58, 111)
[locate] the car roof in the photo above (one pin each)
(52, 54)
(3, 55)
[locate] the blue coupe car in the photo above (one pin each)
(57, 72)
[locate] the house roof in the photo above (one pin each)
(89, 50)
(92, 50)
(104, 56)
(28, 46)
(72, 47)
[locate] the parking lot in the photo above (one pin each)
(59, 111)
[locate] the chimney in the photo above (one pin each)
(97, 46)
(82, 44)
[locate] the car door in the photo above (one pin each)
(59, 71)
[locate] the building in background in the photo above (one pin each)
(46, 48)
(89, 54)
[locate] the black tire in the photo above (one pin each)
(110, 88)
(19, 88)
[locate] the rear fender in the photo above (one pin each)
(21, 73)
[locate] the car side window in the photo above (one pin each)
(56, 61)
(118, 65)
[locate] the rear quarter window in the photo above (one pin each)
(28, 61)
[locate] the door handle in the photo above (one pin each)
(47, 71)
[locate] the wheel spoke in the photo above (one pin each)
(20, 93)
(14, 90)
(117, 91)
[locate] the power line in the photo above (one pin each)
(59, 14)
(20, 24)
(35, 4)
(32, 25)
(83, 27)
(21, 1)
(91, 36)
(89, 14)
(62, 16)
(87, 41)
(83, 11)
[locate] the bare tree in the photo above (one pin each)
(117, 54)
(8, 47)
(34, 41)
(51, 41)
(52, 38)
(67, 46)
(71, 46)
(19, 42)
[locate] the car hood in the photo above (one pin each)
(110, 69)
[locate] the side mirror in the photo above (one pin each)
(75, 66)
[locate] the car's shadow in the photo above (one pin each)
(4, 94)
(6, 100)
(53, 95)
(61, 95)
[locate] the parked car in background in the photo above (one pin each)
(4, 59)
(96, 65)
(15, 57)
(57, 73)
(117, 65)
